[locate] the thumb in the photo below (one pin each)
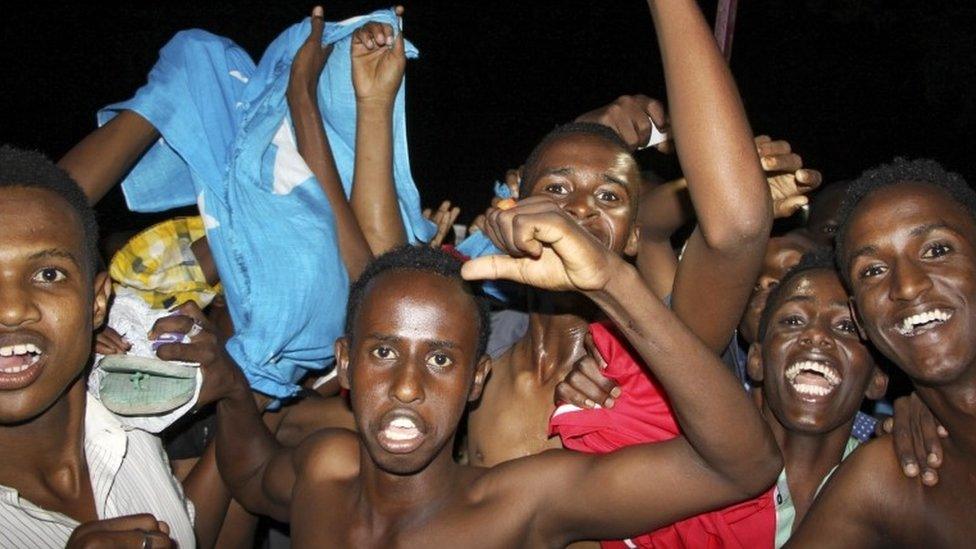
(398, 47)
(318, 23)
(790, 205)
(492, 267)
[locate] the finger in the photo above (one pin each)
(116, 339)
(398, 47)
(773, 148)
(398, 10)
(363, 36)
(568, 394)
(499, 229)
(589, 368)
(584, 385)
(808, 179)
(931, 440)
(185, 352)
(781, 162)
(762, 139)
(789, 206)
(888, 425)
(143, 521)
(426, 213)
(492, 267)
(453, 215)
(192, 310)
(512, 181)
(378, 33)
(178, 324)
(478, 223)
(901, 436)
(164, 527)
(318, 23)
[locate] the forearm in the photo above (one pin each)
(715, 414)
(210, 497)
(712, 135)
(103, 157)
(313, 146)
(245, 449)
(374, 198)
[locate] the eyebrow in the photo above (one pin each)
(929, 227)
(559, 171)
(863, 250)
(616, 180)
(55, 252)
(443, 343)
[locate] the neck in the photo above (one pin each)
(554, 339)
(392, 498)
(954, 406)
(49, 447)
(808, 457)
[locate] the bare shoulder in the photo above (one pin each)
(329, 454)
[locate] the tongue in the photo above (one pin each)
(811, 378)
(15, 361)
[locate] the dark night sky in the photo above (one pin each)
(850, 83)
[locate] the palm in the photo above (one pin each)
(376, 73)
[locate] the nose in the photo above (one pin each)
(816, 336)
(16, 306)
(908, 281)
(580, 206)
(407, 385)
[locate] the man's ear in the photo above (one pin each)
(857, 319)
(754, 364)
(102, 285)
(342, 362)
(481, 372)
(878, 385)
(633, 240)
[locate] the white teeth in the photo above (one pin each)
(19, 350)
(20, 367)
(829, 373)
(403, 423)
(909, 324)
(812, 389)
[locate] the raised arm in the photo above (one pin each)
(725, 181)
(313, 144)
(378, 63)
(728, 453)
(100, 160)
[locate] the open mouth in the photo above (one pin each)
(813, 378)
(923, 322)
(17, 365)
(401, 432)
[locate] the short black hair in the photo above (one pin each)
(818, 259)
(585, 128)
(33, 170)
(424, 259)
(923, 170)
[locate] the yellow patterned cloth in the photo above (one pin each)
(160, 266)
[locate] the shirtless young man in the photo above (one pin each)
(907, 249)
(412, 360)
(589, 172)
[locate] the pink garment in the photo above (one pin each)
(643, 414)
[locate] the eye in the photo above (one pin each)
(792, 320)
(384, 353)
(872, 271)
(439, 361)
(49, 275)
(936, 250)
(829, 229)
(556, 188)
(847, 326)
(607, 196)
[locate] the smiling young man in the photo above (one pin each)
(413, 357)
(815, 371)
(70, 473)
(589, 172)
(907, 250)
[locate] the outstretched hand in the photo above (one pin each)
(789, 182)
(585, 386)
(444, 217)
(310, 59)
(378, 62)
(546, 248)
(631, 117)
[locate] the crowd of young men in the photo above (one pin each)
(646, 401)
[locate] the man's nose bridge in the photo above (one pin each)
(579, 204)
(407, 384)
(909, 278)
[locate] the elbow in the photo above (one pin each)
(739, 232)
(762, 471)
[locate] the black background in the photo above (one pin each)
(850, 83)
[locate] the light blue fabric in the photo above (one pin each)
(228, 146)
(478, 245)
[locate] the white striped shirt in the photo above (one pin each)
(130, 474)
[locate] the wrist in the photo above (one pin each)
(302, 97)
(374, 105)
(619, 287)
